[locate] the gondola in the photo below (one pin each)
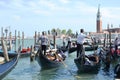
(6, 67)
(106, 51)
(91, 48)
(70, 50)
(117, 71)
(25, 52)
(10, 52)
(73, 49)
(116, 53)
(64, 48)
(46, 63)
(88, 63)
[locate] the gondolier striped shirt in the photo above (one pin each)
(44, 40)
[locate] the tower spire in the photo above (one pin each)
(99, 8)
(98, 13)
(99, 21)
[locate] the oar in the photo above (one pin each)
(66, 66)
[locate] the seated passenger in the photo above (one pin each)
(94, 58)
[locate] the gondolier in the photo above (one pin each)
(80, 41)
(44, 42)
(116, 43)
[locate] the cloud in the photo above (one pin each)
(16, 17)
(43, 12)
(64, 1)
(2, 3)
(68, 11)
(85, 8)
(32, 4)
(111, 12)
(46, 3)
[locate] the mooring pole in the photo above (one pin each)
(4, 47)
(2, 34)
(10, 40)
(18, 38)
(110, 41)
(22, 39)
(35, 37)
(15, 39)
(54, 38)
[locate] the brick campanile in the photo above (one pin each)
(98, 21)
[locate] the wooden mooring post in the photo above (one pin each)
(35, 37)
(10, 40)
(32, 53)
(54, 38)
(18, 38)
(108, 56)
(22, 39)
(4, 47)
(15, 39)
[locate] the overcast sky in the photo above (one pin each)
(42, 15)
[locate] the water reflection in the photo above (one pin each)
(53, 74)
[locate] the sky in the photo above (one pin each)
(29, 16)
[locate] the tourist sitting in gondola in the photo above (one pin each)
(74, 44)
(91, 59)
(61, 54)
(55, 55)
(51, 56)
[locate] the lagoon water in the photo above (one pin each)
(26, 70)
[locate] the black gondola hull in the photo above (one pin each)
(73, 49)
(86, 68)
(45, 63)
(6, 67)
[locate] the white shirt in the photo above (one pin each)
(54, 33)
(80, 38)
(69, 38)
(117, 42)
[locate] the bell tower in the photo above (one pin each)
(99, 21)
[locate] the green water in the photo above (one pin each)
(26, 70)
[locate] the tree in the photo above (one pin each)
(64, 31)
(52, 30)
(69, 32)
(58, 31)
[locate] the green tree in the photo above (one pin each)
(69, 32)
(52, 30)
(64, 31)
(58, 31)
